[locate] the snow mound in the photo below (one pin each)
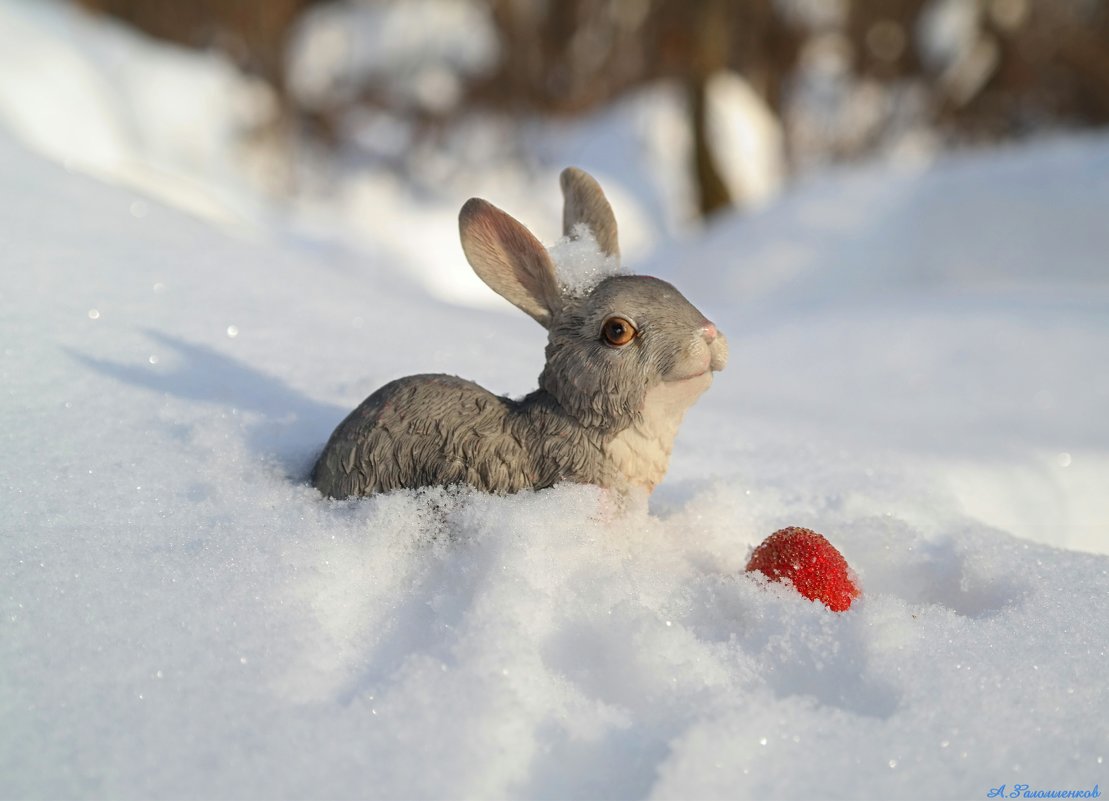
(97, 97)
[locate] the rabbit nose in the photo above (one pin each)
(718, 353)
(709, 332)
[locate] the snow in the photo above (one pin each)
(746, 139)
(579, 262)
(947, 30)
(416, 50)
(917, 372)
(104, 101)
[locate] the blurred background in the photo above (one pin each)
(334, 113)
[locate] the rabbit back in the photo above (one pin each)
(426, 430)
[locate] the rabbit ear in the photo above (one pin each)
(506, 256)
(584, 202)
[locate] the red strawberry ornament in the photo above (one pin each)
(818, 571)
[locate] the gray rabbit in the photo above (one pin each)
(625, 359)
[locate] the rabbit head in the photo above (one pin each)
(610, 346)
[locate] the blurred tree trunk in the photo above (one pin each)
(712, 193)
(712, 43)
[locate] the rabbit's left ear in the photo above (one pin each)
(584, 202)
(511, 261)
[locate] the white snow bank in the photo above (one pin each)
(104, 100)
(183, 616)
(417, 51)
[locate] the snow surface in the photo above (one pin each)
(917, 371)
(184, 616)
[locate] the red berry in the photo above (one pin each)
(818, 571)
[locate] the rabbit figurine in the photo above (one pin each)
(625, 359)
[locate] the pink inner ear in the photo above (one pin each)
(507, 257)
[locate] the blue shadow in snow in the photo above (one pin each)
(293, 427)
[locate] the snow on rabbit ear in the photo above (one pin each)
(579, 262)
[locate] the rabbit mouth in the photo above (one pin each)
(706, 373)
(708, 355)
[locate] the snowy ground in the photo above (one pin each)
(918, 371)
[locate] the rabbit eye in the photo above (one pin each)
(617, 331)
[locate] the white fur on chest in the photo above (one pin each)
(641, 452)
